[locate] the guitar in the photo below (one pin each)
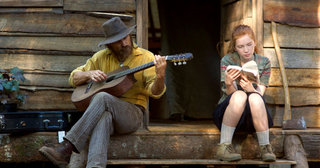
(118, 82)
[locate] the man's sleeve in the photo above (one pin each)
(88, 66)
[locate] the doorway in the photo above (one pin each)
(193, 90)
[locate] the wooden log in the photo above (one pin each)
(292, 12)
(299, 96)
(32, 10)
(47, 79)
(290, 37)
(102, 5)
(47, 100)
(294, 58)
(293, 150)
(58, 63)
(123, 17)
(44, 52)
(311, 114)
(296, 77)
(32, 3)
(76, 44)
(78, 24)
(161, 143)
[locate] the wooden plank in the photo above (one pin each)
(77, 24)
(47, 100)
(296, 77)
(33, 3)
(293, 37)
(298, 96)
(32, 10)
(75, 44)
(101, 5)
(233, 11)
(295, 58)
(42, 62)
(192, 162)
(293, 12)
(142, 23)
(311, 115)
(47, 79)
(123, 17)
(259, 23)
(161, 144)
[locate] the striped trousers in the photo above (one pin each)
(105, 116)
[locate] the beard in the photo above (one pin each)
(123, 52)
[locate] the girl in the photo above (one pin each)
(242, 106)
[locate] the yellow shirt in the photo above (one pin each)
(105, 61)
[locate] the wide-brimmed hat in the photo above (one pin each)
(115, 30)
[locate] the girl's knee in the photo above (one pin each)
(239, 97)
(255, 100)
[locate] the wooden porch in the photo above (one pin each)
(191, 142)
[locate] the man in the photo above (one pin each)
(107, 114)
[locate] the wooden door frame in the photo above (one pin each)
(142, 23)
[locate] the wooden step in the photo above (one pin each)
(194, 162)
(187, 140)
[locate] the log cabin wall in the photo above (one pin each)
(298, 24)
(298, 31)
(49, 38)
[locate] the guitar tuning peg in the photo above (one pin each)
(175, 64)
(179, 63)
(184, 62)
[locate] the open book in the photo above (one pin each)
(249, 69)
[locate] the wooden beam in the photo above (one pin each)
(259, 23)
(118, 6)
(293, 37)
(296, 77)
(142, 23)
(299, 96)
(295, 58)
(58, 63)
(32, 3)
(295, 13)
(164, 144)
(73, 44)
(32, 10)
(311, 115)
(49, 99)
(41, 23)
(47, 79)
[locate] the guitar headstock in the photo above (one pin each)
(179, 59)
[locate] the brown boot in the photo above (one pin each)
(226, 152)
(59, 155)
(267, 154)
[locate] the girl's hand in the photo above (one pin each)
(246, 84)
(231, 75)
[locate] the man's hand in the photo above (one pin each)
(97, 75)
(80, 78)
(160, 67)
